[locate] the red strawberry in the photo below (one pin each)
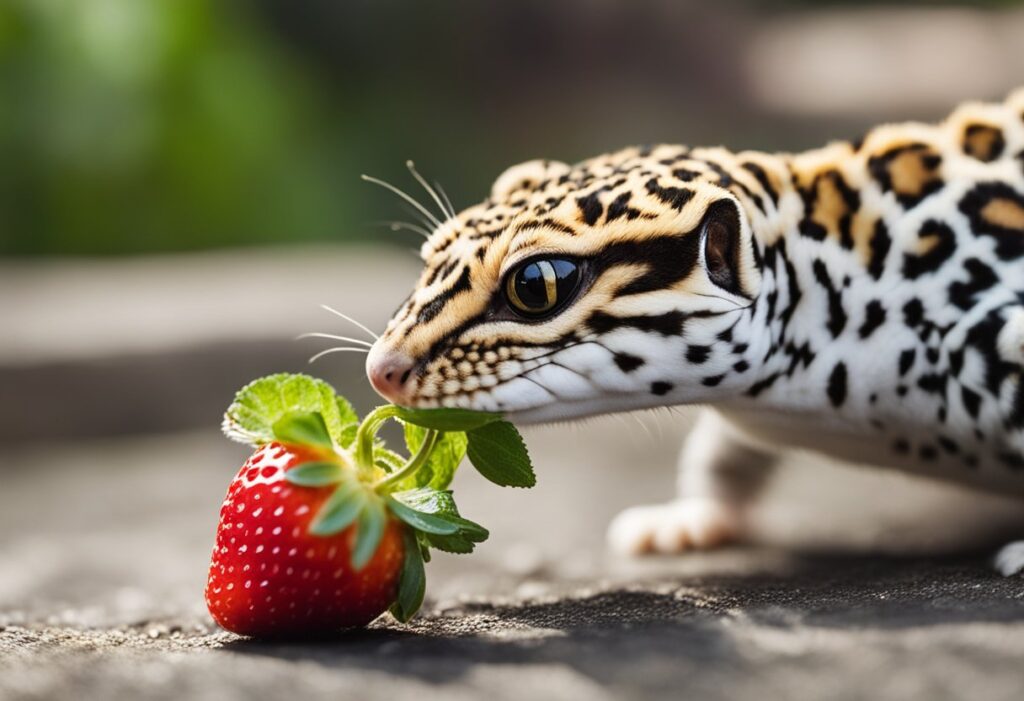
(324, 528)
(270, 575)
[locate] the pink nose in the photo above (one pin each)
(389, 374)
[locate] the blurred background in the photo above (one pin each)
(179, 191)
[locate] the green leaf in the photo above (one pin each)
(456, 543)
(447, 419)
(369, 530)
(340, 510)
(429, 501)
(347, 437)
(463, 541)
(412, 584)
(346, 413)
(428, 523)
(315, 474)
(436, 505)
(263, 402)
(306, 428)
(497, 451)
(444, 459)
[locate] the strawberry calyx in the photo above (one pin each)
(372, 484)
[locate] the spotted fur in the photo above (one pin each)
(872, 307)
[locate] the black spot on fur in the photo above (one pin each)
(712, 381)
(837, 385)
(741, 366)
(430, 310)
(698, 354)
(1009, 239)
(900, 445)
(879, 168)
(874, 316)
(619, 207)
(956, 361)
(933, 383)
(984, 142)
(627, 362)
(943, 245)
(668, 259)
(981, 277)
(836, 313)
(762, 179)
(761, 385)
(913, 313)
(590, 208)
(667, 324)
(928, 453)
(660, 388)
(674, 197)
(881, 242)
(982, 337)
(684, 174)
(948, 445)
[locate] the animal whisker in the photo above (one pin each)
(349, 319)
(426, 186)
(317, 334)
(338, 349)
(447, 200)
(408, 198)
(404, 226)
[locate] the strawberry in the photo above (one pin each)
(324, 528)
(271, 576)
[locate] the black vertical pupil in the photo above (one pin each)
(532, 288)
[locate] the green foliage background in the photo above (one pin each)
(136, 126)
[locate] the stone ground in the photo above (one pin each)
(105, 534)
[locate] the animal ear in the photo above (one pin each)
(721, 237)
(526, 175)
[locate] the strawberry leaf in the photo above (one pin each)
(425, 508)
(444, 459)
(498, 453)
(412, 584)
(347, 415)
(263, 402)
(370, 526)
(302, 428)
(447, 419)
(428, 523)
(315, 474)
(429, 501)
(340, 510)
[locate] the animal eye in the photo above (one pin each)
(541, 286)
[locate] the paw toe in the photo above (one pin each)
(1010, 559)
(673, 528)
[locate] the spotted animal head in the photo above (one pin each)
(573, 291)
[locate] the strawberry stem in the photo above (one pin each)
(412, 465)
(366, 433)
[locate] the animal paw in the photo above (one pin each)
(686, 524)
(1010, 559)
